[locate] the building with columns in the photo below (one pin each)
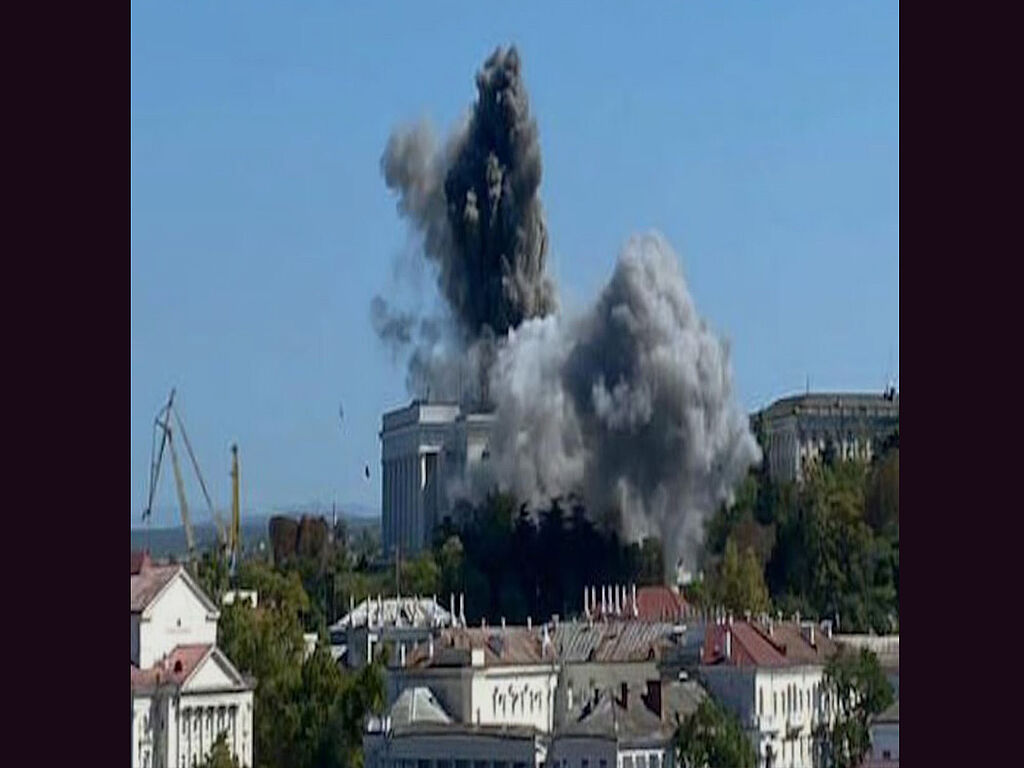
(185, 692)
(424, 446)
(796, 430)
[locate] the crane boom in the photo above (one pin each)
(202, 483)
(186, 521)
(235, 544)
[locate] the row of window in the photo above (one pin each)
(515, 699)
(794, 699)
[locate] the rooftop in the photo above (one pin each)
(148, 581)
(635, 723)
(395, 611)
(844, 400)
(766, 644)
(174, 669)
(612, 641)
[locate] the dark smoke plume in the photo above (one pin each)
(629, 405)
(475, 202)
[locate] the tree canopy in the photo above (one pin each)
(857, 690)
(712, 736)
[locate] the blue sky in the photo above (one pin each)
(761, 138)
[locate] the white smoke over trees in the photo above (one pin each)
(629, 405)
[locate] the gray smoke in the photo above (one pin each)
(630, 405)
(475, 202)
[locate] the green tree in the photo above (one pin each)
(220, 755)
(421, 576)
(451, 557)
(713, 737)
(740, 584)
(857, 690)
(212, 574)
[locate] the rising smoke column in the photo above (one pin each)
(630, 404)
(475, 202)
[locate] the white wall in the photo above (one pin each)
(514, 696)
(196, 719)
(177, 617)
(770, 703)
(885, 737)
(143, 722)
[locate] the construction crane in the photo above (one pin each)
(235, 537)
(168, 421)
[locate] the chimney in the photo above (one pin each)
(653, 699)
(808, 632)
(728, 645)
(401, 654)
(462, 608)
(636, 608)
(624, 694)
(451, 605)
(502, 622)
(430, 647)
(529, 622)
(604, 601)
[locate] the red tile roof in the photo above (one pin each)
(511, 645)
(659, 604)
(147, 583)
(172, 670)
(777, 644)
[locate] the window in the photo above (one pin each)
(886, 754)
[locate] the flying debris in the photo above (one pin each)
(366, 469)
(341, 413)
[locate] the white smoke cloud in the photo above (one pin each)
(629, 405)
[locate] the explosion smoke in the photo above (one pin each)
(475, 202)
(629, 404)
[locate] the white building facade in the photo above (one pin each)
(770, 675)
(423, 447)
(184, 691)
(797, 429)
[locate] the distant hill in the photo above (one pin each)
(163, 542)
